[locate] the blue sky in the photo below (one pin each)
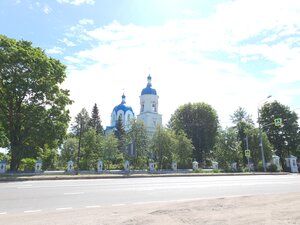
(225, 53)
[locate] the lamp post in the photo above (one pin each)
(79, 144)
(260, 136)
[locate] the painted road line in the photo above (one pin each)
(64, 208)
(3, 213)
(33, 211)
(92, 206)
(74, 193)
(114, 205)
(23, 186)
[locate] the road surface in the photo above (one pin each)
(43, 197)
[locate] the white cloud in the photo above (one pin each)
(86, 21)
(68, 42)
(55, 50)
(192, 60)
(77, 2)
(47, 9)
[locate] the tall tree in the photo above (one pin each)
(137, 135)
(183, 150)
(255, 150)
(243, 123)
(69, 150)
(91, 149)
(82, 122)
(32, 104)
(162, 147)
(110, 149)
(200, 122)
(120, 134)
(285, 138)
(227, 148)
(95, 121)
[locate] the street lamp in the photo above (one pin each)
(260, 135)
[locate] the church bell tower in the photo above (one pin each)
(149, 108)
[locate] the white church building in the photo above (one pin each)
(148, 111)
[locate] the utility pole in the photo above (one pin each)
(79, 143)
(260, 137)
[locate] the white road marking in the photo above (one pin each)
(23, 186)
(114, 205)
(92, 206)
(74, 193)
(65, 208)
(33, 211)
(3, 213)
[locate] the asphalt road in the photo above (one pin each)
(19, 198)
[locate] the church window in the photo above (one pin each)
(153, 107)
(142, 107)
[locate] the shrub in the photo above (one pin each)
(272, 168)
(27, 165)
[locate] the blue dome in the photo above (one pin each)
(123, 107)
(149, 90)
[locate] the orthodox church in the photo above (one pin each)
(148, 111)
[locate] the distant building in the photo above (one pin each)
(148, 111)
(122, 111)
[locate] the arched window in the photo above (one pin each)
(153, 107)
(142, 107)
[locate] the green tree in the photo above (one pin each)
(32, 105)
(243, 123)
(49, 157)
(162, 145)
(137, 135)
(255, 150)
(200, 122)
(91, 150)
(183, 149)
(82, 122)
(227, 148)
(110, 149)
(69, 150)
(285, 138)
(4, 142)
(120, 134)
(95, 121)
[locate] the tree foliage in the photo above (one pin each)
(285, 138)
(32, 105)
(69, 150)
(91, 149)
(95, 121)
(228, 149)
(162, 147)
(137, 135)
(200, 122)
(243, 122)
(110, 149)
(82, 122)
(183, 150)
(120, 134)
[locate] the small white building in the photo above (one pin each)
(291, 163)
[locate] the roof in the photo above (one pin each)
(148, 90)
(123, 107)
